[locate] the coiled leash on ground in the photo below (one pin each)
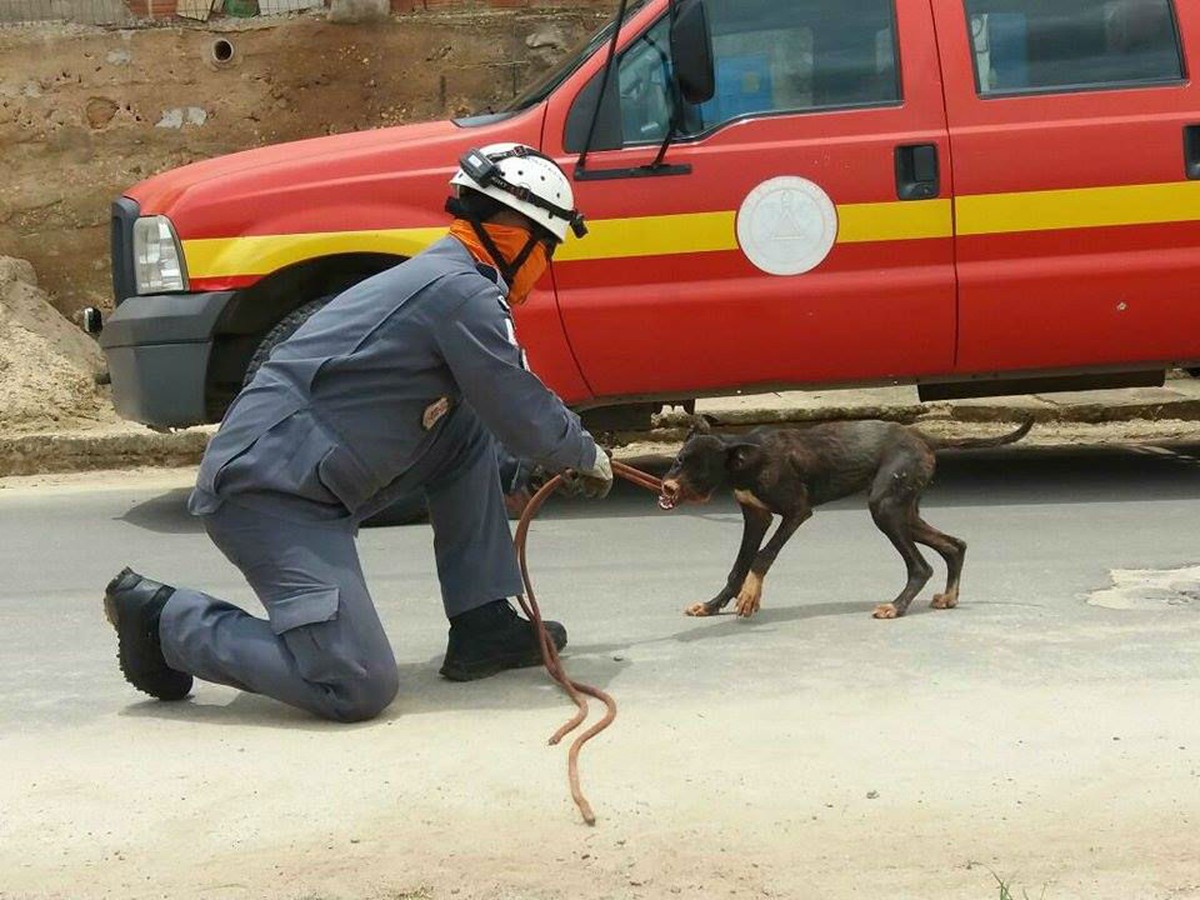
(575, 689)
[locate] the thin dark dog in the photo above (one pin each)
(788, 472)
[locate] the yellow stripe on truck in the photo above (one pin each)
(1098, 207)
(653, 236)
(263, 254)
(607, 238)
(898, 221)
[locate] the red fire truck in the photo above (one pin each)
(975, 196)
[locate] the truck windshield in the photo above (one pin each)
(541, 89)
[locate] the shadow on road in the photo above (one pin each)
(1014, 476)
(165, 514)
(422, 691)
(1058, 475)
(244, 709)
(1011, 476)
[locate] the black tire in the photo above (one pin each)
(408, 511)
(283, 330)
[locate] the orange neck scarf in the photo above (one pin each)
(510, 241)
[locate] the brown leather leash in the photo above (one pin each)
(550, 658)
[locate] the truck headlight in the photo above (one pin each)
(157, 257)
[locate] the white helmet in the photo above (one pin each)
(524, 180)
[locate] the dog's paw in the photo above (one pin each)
(748, 604)
(700, 610)
(886, 611)
(749, 599)
(945, 601)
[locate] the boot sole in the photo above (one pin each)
(169, 692)
(489, 667)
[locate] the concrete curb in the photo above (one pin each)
(83, 451)
(1179, 400)
(39, 454)
(960, 411)
(752, 416)
(1183, 409)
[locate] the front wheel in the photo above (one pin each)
(283, 329)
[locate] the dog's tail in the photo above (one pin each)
(936, 443)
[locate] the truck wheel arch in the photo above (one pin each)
(255, 312)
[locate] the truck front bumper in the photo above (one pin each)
(158, 349)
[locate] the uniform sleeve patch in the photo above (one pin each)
(434, 412)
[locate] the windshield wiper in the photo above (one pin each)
(657, 167)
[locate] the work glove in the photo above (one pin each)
(596, 482)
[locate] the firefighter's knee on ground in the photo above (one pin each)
(365, 695)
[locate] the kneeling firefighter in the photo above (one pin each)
(401, 384)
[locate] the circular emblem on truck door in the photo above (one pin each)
(787, 225)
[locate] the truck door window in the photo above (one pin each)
(1039, 46)
(774, 57)
(770, 57)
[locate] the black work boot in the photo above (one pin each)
(133, 605)
(492, 638)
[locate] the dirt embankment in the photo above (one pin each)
(48, 367)
(85, 112)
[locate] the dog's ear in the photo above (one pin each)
(742, 455)
(701, 424)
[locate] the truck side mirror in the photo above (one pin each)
(691, 51)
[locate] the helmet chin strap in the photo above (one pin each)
(508, 269)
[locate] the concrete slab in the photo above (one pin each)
(899, 402)
(1181, 399)
(350, 12)
(92, 12)
(1002, 409)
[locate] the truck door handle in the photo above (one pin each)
(1191, 151)
(917, 172)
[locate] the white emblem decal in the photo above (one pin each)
(787, 225)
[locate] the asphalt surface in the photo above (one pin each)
(1028, 736)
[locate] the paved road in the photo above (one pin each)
(810, 752)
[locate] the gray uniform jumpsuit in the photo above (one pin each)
(341, 421)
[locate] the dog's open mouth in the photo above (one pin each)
(671, 494)
(676, 494)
